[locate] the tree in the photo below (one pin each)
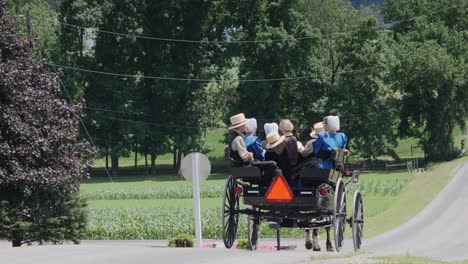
(269, 100)
(433, 88)
(113, 94)
(41, 15)
(434, 96)
(177, 106)
(42, 162)
(365, 99)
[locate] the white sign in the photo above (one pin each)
(195, 168)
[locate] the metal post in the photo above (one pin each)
(411, 150)
(196, 202)
(278, 239)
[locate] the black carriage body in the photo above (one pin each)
(307, 209)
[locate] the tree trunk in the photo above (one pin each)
(179, 158)
(146, 162)
(15, 240)
(153, 162)
(114, 163)
(107, 158)
(174, 158)
(136, 157)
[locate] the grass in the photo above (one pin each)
(147, 201)
(214, 143)
(321, 258)
(362, 257)
(129, 204)
(407, 259)
(412, 199)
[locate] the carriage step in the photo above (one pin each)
(276, 226)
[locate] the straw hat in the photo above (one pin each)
(274, 139)
(237, 121)
(317, 129)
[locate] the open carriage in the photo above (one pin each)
(311, 198)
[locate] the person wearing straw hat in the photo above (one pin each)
(269, 127)
(277, 151)
(252, 142)
(317, 129)
(236, 143)
(286, 128)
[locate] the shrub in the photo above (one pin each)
(42, 161)
(181, 241)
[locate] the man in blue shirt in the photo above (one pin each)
(329, 140)
(252, 142)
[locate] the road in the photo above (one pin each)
(438, 231)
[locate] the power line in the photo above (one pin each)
(83, 124)
(207, 80)
(242, 41)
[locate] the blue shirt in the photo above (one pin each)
(254, 145)
(328, 142)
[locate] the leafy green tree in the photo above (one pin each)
(43, 24)
(178, 105)
(433, 88)
(365, 99)
(434, 96)
(294, 98)
(42, 161)
(113, 53)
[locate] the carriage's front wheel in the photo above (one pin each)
(357, 223)
(230, 214)
(252, 229)
(339, 220)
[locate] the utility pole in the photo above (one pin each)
(28, 25)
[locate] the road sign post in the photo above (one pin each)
(195, 168)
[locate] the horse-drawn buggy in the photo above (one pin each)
(311, 198)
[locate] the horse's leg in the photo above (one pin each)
(329, 244)
(315, 239)
(308, 239)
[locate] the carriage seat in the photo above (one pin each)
(314, 176)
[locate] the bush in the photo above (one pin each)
(181, 241)
(243, 244)
(42, 160)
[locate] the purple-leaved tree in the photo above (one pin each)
(42, 160)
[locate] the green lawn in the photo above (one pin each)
(215, 143)
(165, 201)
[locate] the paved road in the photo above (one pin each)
(439, 231)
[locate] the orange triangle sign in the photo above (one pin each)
(279, 191)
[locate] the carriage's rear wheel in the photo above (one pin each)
(357, 223)
(230, 214)
(252, 230)
(339, 220)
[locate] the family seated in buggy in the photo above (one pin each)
(289, 154)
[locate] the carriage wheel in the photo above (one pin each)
(230, 214)
(252, 228)
(339, 220)
(357, 220)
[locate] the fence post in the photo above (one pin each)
(386, 168)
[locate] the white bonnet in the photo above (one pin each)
(333, 123)
(270, 127)
(251, 125)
